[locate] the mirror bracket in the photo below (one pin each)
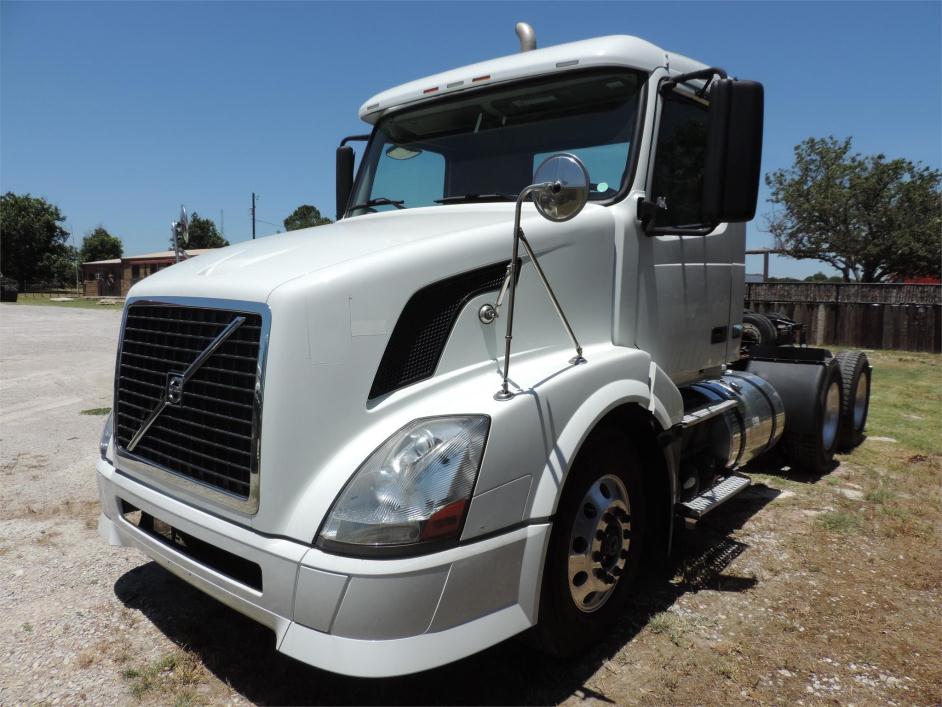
(549, 195)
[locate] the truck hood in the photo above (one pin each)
(253, 269)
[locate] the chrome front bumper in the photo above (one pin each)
(362, 617)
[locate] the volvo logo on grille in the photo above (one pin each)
(174, 388)
(173, 393)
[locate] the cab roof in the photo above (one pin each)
(614, 50)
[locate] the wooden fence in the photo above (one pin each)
(880, 316)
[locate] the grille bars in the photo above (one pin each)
(184, 377)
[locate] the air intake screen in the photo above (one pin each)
(419, 336)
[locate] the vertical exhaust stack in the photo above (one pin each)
(527, 36)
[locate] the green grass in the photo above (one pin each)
(906, 400)
(95, 411)
(171, 679)
(44, 301)
(838, 521)
(669, 624)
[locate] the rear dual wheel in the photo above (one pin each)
(855, 397)
(813, 425)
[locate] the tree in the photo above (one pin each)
(203, 233)
(100, 245)
(305, 216)
(60, 268)
(821, 277)
(32, 240)
(870, 217)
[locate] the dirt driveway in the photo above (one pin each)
(803, 590)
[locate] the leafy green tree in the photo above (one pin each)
(870, 217)
(32, 238)
(305, 216)
(100, 245)
(60, 268)
(203, 233)
(821, 277)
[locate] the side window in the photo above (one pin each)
(678, 164)
(415, 177)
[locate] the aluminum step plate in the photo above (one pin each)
(723, 491)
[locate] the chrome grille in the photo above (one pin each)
(208, 433)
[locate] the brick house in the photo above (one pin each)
(113, 278)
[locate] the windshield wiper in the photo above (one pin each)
(379, 201)
(475, 197)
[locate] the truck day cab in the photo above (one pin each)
(475, 404)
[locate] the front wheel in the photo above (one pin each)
(595, 546)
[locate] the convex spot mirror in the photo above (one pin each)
(402, 152)
(561, 187)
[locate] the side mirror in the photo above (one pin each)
(560, 187)
(733, 152)
(344, 177)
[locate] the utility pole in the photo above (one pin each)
(253, 215)
(222, 222)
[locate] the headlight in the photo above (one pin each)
(106, 434)
(415, 488)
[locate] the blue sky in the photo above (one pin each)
(120, 112)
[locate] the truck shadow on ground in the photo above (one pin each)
(241, 653)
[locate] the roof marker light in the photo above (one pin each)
(433, 89)
(455, 84)
(372, 106)
(481, 78)
(564, 64)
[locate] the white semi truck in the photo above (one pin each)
(482, 400)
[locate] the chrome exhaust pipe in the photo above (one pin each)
(526, 35)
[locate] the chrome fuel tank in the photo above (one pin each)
(754, 426)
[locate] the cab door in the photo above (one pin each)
(685, 270)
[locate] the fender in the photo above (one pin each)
(657, 395)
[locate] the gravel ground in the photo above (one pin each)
(800, 591)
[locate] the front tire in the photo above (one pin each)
(595, 547)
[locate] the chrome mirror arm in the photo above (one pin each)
(510, 284)
(504, 393)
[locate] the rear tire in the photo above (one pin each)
(758, 330)
(855, 397)
(809, 444)
(595, 548)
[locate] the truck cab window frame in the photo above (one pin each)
(630, 130)
(677, 169)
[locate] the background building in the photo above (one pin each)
(113, 278)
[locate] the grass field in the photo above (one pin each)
(78, 303)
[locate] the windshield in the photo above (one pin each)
(484, 146)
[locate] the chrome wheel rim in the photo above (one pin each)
(832, 414)
(598, 543)
(860, 401)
